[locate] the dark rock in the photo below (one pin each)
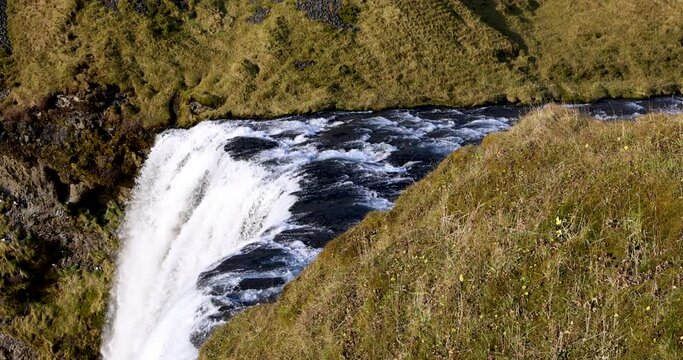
(313, 237)
(54, 135)
(181, 4)
(259, 15)
(140, 6)
(110, 4)
(243, 148)
(4, 35)
(303, 64)
(326, 11)
(252, 258)
(425, 159)
(260, 283)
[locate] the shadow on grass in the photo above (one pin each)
(488, 11)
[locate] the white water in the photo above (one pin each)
(194, 205)
(191, 206)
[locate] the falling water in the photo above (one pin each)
(224, 214)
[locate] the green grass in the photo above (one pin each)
(559, 239)
(401, 53)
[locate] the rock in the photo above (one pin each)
(326, 11)
(36, 196)
(63, 101)
(260, 283)
(54, 135)
(76, 192)
(11, 348)
(303, 64)
(259, 15)
(4, 35)
(110, 4)
(196, 108)
(243, 148)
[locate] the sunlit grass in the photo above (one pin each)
(533, 245)
(401, 53)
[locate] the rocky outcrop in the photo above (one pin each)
(65, 168)
(4, 36)
(74, 155)
(259, 15)
(37, 205)
(326, 11)
(11, 348)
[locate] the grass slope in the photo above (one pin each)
(168, 59)
(562, 238)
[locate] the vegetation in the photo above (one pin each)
(132, 67)
(57, 311)
(559, 239)
(169, 56)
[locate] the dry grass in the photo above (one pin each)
(559, 239)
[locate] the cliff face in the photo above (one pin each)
(64, 171)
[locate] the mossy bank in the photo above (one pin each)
(562, 238)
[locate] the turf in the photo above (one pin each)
(56, 311)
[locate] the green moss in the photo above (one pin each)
(558, 239)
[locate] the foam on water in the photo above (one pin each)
(224, 214)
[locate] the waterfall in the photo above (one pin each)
(191, 206)
(224, 214)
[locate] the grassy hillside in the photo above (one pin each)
(188, 60)
(129, 68)
(561, 239)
